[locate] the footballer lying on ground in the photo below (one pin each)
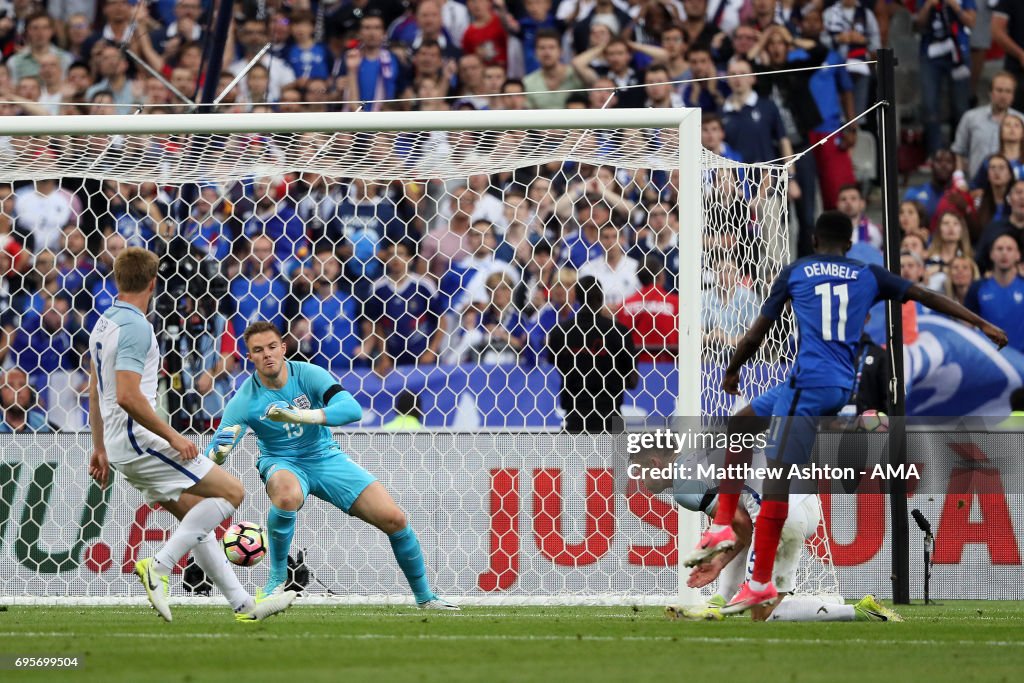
(163, 465)
(291, 406)
(731, 567)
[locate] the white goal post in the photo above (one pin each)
(467, 482)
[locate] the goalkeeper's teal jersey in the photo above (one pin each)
(305, 388)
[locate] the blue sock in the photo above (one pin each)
(407, 551)
(280, 529)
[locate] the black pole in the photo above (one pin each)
(220, 38)
(886, 71)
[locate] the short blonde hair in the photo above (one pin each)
(134, 269)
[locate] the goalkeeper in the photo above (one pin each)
(291, 406)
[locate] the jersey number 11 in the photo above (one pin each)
(826, 291)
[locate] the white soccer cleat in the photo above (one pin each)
(267, 606)
(437, 603)
(157, 587)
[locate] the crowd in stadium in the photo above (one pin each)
(384, 275)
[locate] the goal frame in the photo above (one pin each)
(690, 200)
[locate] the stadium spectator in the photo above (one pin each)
(851, 28)
(963, 271)
(48, 348)
(444, 243)
(19, 405)
(258, 290)
(404, 322)
(275, 73)
(660, 93)
(556, 306)
(101, 286)
(596, 23)
(51, 79)
(300, 342)
(307, 57)
(950, 240)
(185, 27)
(943, 164)
(408, 414)
(536, 16)
(583, 244)
(485, 36)
(1008, 33)
(332, 316)
(618, 58)
(537, 270)
(495, 330)
(1011, 146)
(729, 307)
(78, 30)
(551, 76)
(1012, 225)
(39, 31)
(992, 198)
(423, 26)
(851, 203)
(652, 315)
(141, 214)
(112, 67)
(945, 60)
(835, 93)
(753, 124)
(674, 43)
(596, 359)
(706, 91)
(700, 24)
(913, 220)
(363, 219)
(274, 216)
(980, 129)
(206, 225)
(1000, 297)
(41, 210)
(616, 271)
(513, 96)
(477, 267)
(371, 69)
(116, 30)
(471, 81)
(428, 63)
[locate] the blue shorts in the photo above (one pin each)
(795, 413)
(335, 479)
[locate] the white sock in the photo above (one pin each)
(716, 528)
(194, 526)
(211, 560)
(810, 608)
(732, 576)
(757, 585)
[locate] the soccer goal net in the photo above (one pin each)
(422, 259)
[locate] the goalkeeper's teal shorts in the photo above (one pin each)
(333, 478)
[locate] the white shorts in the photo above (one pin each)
(162, 475)
(802, 523)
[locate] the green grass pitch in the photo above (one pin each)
(957, 641)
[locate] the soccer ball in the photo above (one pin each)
(245, 544)
(873, 421)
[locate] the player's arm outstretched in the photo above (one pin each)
(943, 304)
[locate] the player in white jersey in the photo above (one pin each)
(162, 464)
(732, 567)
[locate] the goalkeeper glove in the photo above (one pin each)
(279, 411)
(223, 442)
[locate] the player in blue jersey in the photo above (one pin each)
(290, 406)
(830, 295)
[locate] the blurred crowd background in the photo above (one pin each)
(384, 275)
